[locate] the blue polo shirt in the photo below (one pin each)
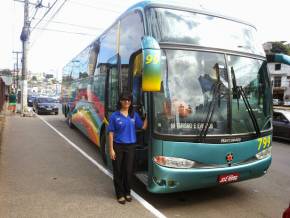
(124, 128)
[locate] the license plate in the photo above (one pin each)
(49, 109)
(228, 178)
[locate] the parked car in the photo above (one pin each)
(45, 105)
(286, 102)
(281, 124)
(277, 102)
(30, 100)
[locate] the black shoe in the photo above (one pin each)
(128, 198)
(121, 200)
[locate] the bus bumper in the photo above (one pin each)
(168, 180)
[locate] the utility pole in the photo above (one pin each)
(14, 76)
(17, 68)
(24, 38)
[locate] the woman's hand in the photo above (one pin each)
(112, 154)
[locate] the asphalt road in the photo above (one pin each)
(81, 190)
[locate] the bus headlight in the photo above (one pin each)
(173, 162)
(265, 153)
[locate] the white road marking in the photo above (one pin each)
(142, 201)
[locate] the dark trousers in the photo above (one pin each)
(123, 167)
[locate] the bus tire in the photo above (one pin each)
(103, 147)
(69, 122)
(64, 111)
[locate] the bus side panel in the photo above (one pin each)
(88, 115)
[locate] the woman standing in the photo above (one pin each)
(122, 140)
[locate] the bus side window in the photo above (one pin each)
(112, 83)
(93, 58)
(75, 69)
(107, 66)
(131, 32)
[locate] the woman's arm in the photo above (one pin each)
(111, 149)
(145, 123)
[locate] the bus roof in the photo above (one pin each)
(172, 5)
(175, 5)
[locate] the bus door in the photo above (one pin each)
(139, 105)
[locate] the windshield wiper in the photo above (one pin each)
(237, 91)
(216, 93)
(250, 111)
(236, 94)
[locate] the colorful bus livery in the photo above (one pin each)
(202, 80)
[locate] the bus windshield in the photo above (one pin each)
(199, 89)
(168, 25)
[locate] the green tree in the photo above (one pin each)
(5, 72)
(279, 47)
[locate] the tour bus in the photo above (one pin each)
(201, 78)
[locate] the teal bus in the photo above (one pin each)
(202, 80)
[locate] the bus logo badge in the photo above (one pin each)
(230, 158)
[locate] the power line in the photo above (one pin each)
(62, 31)
(75, 25)
(58, 10)
(51, 18)
(44, 15)
(36, 9)
(37, 6)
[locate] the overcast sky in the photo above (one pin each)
(81, 21)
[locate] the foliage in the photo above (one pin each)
(279, 47)
(5, 72)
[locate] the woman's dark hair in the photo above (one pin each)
(126, 96)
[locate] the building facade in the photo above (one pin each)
(5, 83)
(280, 78)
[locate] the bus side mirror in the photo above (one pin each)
(151, 74)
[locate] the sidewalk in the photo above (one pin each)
(41, 175)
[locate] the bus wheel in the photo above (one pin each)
(103, 147)
(69, 122)
(64, 111)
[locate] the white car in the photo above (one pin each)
(287, 102)
(277, 101)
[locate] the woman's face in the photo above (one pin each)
(125, 103)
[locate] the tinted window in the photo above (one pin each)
(66, 73)
(279, 117)
(205, 30)
(108, 47)
(189, 90)
(113, 84)
(79, 65)
(198, 91)
(252, 77)
(46, 100)
(131, 31)
(94, 50)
